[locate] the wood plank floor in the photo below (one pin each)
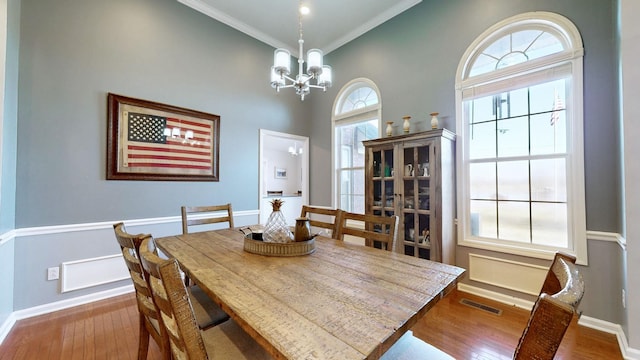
(108, 329)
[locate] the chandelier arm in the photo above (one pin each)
(288, 78)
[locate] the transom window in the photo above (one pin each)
(520, 151)
(356, 117)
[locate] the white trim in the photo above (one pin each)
(8, 236)
(554, 21)
(370, 112)
(8, 324)
(224, 18)
(542, 253)
(593, 323)
(607, 236)
(400, 7)
(68, 303)
(576, 217)
(513, 275)
(269, 136)
(496, 296)
(85, 273)
(56, 229)
(209, 10)
(615, 329)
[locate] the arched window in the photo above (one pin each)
(355, 117)
(520, 144)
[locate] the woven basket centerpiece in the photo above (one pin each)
(253, 243)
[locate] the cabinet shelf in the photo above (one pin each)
(412, 196)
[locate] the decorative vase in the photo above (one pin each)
(434, 120)
(389, 128)
(406, 126)
(276, 229)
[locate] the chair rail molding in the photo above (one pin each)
(55, 229)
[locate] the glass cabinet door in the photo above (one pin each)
(382, 182)
(416, 228)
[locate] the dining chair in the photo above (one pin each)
(549, 319)
(378, 230)
(203, 215)
(149, 318)
(208, 313)
(553, 311)
(186, 340)
(325, 218)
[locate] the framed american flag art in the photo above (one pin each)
(152, 141)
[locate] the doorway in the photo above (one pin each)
(284, 173)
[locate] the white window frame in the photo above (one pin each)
(505, 79)
(371, 112)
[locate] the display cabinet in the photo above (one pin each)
(413, 176)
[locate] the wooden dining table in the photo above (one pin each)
(342, 301)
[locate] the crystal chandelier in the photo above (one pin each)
(315, 69)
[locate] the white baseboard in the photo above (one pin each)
(65, 304)
(615, 329)
(509, 300)
(586, 321)
(8, 324)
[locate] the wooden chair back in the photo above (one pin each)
(149, 321)
(317, 214)
(553, 311)
(171, 298)
(552, 283)
(202, 215)
(377, 229)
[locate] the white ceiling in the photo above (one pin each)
(331, 23)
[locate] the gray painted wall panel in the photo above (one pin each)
(71, 55)
(74, 53)
(413, 60)
(10, 120)
(630, 44)
(8, 161)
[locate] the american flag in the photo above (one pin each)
(558, 105)
(169, 143)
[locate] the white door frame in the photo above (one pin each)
(265, 137)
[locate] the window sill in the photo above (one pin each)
(513, 249)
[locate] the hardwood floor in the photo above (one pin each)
(108, 329)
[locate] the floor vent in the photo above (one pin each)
(480, 306)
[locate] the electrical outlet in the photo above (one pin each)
(624, 297)
(53, 273)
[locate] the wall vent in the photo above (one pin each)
(480, 306)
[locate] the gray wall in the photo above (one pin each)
(74, 52)
(413, 60)
(629, 38)
(8, 161)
